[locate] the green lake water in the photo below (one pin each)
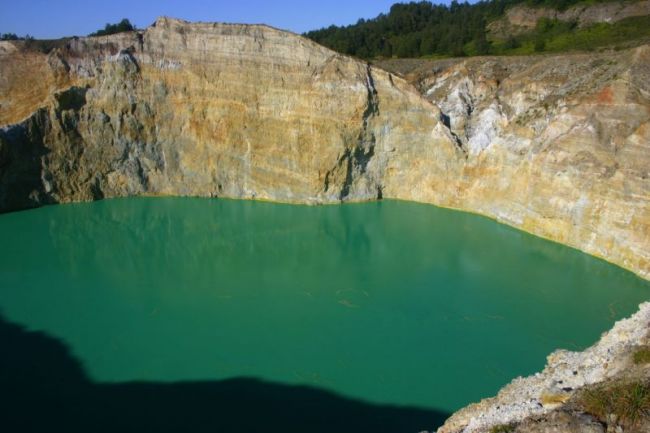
(389, 302)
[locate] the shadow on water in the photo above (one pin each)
(43, 388)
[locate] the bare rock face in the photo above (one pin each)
(207, 110)
(555, 145)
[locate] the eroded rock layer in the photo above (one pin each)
(208, 110)
(558, 146)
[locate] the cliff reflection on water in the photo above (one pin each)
(388, 303)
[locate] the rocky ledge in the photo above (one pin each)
(550, 401)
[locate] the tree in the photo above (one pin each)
(109, 29)
(421, 28)
(386, 49)
(512, 43)
(9, 37)
(428, 44)
(481, 43)
(457, 49)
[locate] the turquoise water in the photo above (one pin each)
(387, 302)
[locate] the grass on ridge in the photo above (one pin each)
(642, 356)
(629, 402)
(503, 428)
(556, 36)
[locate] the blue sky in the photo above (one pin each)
(57, 18)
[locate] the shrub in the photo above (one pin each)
(8, 37)
(109, 29)
(628, 401)
(503, 428)
(512, 43)
(642, 356)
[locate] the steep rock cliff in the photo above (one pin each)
(558, 146)
(208, 110)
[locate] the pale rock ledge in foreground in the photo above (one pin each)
(565, 373)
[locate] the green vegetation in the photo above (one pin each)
(642, 356)
(503, 428)
(110, 29)
(416, 29)
(14, 37)
(628, 401)
(558, 36)
(423, 29)
(561, 4)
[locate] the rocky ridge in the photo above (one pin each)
(521, 18)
